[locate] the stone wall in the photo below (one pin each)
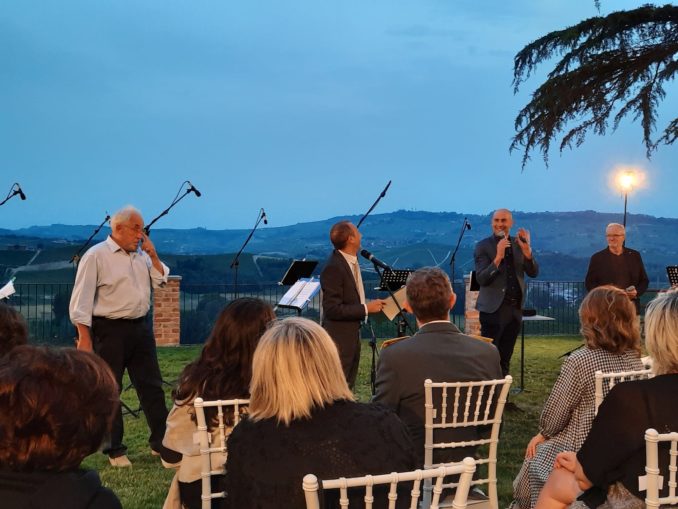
(166, 315)
(471, 313)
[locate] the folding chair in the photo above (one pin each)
(464, 469)
(473, 404)
(654, 480)
(214, 455)
(605, 381)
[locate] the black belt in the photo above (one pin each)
(125, 320)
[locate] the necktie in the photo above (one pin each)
(358, 281)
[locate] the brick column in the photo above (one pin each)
(166, 316)
(471, 313)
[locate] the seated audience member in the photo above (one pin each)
(611, 343)
(303, 419)
(223, 371)
(610, 464)
(56, 406)
(13, 329)
(438, 351)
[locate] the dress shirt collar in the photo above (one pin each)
(351, 259)
(114, 246)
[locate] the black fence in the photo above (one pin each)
(45, 308)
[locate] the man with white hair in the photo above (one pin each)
(109, 308)
(619, 266)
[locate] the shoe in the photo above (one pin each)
(120, 461)
(154, 452)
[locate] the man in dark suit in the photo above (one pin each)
(500, 272)
(343, 297)
(438, 351)
(618, 266)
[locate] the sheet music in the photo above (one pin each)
(390, 309)
(7, 290)
(300, 293)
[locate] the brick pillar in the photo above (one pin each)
(471, 313)
(166, 316)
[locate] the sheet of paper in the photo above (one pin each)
(390, 309)
(300, 293)
(7, 290)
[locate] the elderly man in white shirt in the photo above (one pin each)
(109, 307)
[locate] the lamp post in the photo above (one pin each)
(626, 181)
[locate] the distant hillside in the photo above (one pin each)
(563, 242)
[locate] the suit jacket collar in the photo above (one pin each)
(339, 258)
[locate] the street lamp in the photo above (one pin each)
(626, 180)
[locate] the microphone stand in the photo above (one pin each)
(76, 257)
(177, 199)
(236, 259)
(464, 227)
(383, 193)
(12, 193)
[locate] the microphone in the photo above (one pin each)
(191, 187)
(18, 191)
(468, 225)
(508, 249)
(263, 216)
(366, 254)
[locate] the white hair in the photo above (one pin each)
(123, 215)
(615, 225)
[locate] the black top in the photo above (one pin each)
(267, 461)
(77, 489)
(615, 447)
(622, 271)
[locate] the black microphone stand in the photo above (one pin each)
(403, 325)
(464, 227)
(177, 199)
(383, 193)
(76, 257)
(236, 259)
(12, 193)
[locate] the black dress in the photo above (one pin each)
(267, 461)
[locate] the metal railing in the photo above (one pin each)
(45, 308)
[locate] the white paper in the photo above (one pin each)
(7, 290)
(300, 293)
(390, 309)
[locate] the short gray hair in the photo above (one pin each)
(616, 225)
(123, 215)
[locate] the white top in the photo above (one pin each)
(113, 283)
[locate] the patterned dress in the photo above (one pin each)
(567, 416)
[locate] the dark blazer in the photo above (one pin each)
(492, 280)
(438, 351)
(342, 310)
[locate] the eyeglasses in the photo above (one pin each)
(614, 235)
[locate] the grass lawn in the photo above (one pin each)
(144, 486)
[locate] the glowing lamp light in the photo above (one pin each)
(626, 180)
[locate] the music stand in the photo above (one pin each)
(672, 273)
(393, 279)
(297, 270)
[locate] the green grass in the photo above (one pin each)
(144, 486)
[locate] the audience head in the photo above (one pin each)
(13, 329)
(296, 368)
(661, 332)
(608, 320)
(56, 406)
(429, 294)
(224, 368)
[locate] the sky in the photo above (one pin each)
(305, 108)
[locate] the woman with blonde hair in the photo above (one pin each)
(611, 344)
(609, 465)
(303, 419)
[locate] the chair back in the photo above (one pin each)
(464, 469)
(207, 446)
(466, 405)
(605, 381)
(654, 480)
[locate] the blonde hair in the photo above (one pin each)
(661, 332)
(295, 369)
(608, 321)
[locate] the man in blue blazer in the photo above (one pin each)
(500, 271)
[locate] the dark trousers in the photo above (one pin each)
(502, 326)
(129, 344)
